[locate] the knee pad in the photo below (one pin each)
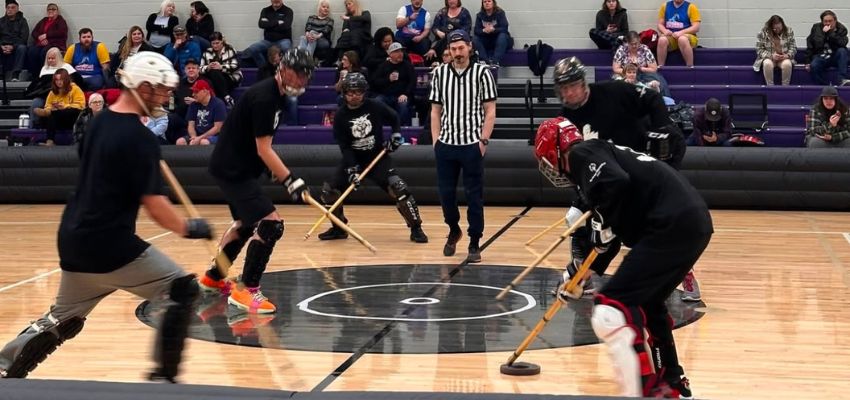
(405, 202)
(184, 290)
(611, 326)
(397, 187)
(329, 194)
(270, 231)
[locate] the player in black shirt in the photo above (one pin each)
(665, 222)
(99, 251)
(241, 156)
(358, 130)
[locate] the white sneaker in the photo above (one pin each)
(690, 288)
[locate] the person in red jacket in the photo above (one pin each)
(51, 31)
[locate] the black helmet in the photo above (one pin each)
(568, 70)
(299, 61)
(354, 81)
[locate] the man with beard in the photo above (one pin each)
(91, 59)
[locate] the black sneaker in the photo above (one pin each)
(683, 386)
(418, 235)
(158, 377)
(474, 255)
(451, 243)
(333, 233)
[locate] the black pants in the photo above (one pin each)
(61, 119)
(222, 84)
(604, 40)
(451, 161)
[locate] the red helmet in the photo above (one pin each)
(554, 138)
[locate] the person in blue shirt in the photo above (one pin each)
(182, 49)
(492, 39)
(206, 116)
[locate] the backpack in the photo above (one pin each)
(539, 56)
(649, 38)
(682, 114)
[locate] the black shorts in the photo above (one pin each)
(246, 199)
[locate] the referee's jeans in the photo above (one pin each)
(450, 161)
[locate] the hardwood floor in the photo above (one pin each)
(775, 285)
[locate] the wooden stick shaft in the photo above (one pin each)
(310, 200)
(579, 223)
(545, 231)
(345, 194)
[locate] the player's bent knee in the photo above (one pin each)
(610, 325)
(270, 231)
(329, 194)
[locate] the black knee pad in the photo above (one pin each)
(185, 290)
(329, 194)
(270, 231)
(397, 187)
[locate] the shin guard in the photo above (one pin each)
(259, 251)
(34, 344)
(622, 330)
(231, 250)
(174, 328)
(405, 202)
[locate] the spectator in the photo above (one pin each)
(318, 31)
(712, 125)
(41, 86)
(51, 31)
(775, 48)
(395, 81)
(356, 29)
(451, 17)
(200, 25)
(127, 48)
(414, 26)
(492, 38)
(96, 104)
(161, 25)
(158, 126)
(64, 103)
(182, 49)
(827, 47)
(14, 32)
(183, 93)
(377, 53)
(220, 66)
(630, 75)
(829, 121)
(91, 59)
(270, 67)
(634, 52)
(350, 63)
(206, 116)
(612, 24)
(276, 23)
(678, 24)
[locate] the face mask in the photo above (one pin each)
(293, 92)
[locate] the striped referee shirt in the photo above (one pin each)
(462, 96)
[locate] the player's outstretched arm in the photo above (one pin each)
(160, 209)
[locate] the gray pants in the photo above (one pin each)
(149, 276)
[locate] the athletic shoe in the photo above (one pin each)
(158, 377)
(418, 235)
(683, 386)
(211, 286)
(664, 391)
(451, 243)
(690, 288)
(474, 255)
(334, 233)
(251, 300)
(245, 324)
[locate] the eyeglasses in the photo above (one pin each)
(97, 102)
(52, 9)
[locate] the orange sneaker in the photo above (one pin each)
(251, 300)
(210, 285)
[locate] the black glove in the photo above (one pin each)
(353, 176)
(296, 187)
(601, 236)
(395, 142)
(198, 228)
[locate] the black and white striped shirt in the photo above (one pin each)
(462, 96)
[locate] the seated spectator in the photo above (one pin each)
(775, 48)
(95, 106)
(492, 38)
(161, 25)
(318, 31)
(377, 53)
(183, 93)
(91, 59)
(206, 116)
(51, 31)
(14, 32)
(158, 126)
(826, 47)
(630, 75)
(414, 25)
(612, 24)
(220, 66)
(450, 18)
(356, 29)
(829, 121)
(394, 82)
(678, 24)
(712, 125)
(200, 25)
(350, 63)
(276, 23)
(270, 67)
(445, 59)
(41, 86)
(64, 103)
(634, 52)
(127, 48)
(182, 49)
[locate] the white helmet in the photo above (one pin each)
(148, 66)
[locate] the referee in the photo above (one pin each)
(463, 97)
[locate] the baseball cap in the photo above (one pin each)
(713, 110)
(458, 35)
(201, 84)
(179, 30)
(829, 91)
(396, 46)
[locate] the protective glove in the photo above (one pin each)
(601, 235)
(395, 142)
(198, 228)
(353, 176)
(296, 188)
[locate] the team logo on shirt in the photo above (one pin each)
(276, 119)
(202, 118)
(360, 129)
(597, 170)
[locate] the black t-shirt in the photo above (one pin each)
(256, 114)
(636, 194)
(617, 111)
(359, 132)
(119, 165)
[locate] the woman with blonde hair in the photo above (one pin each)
(131, 44)
(161, 25)
(41, 86)
(318, 31)
(356, 29)
(63, 106)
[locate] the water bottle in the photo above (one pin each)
(24, 121)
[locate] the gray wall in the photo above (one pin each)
(563, 23)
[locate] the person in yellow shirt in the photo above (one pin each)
(91, 59)
(678, 24)
(63, 105)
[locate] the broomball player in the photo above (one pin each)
(652, 209)
(358, 129)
